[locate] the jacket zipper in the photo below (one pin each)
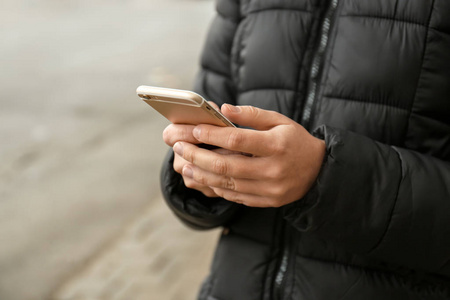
(283, 265)
(317, 64)
(306, 119)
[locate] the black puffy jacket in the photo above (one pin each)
(372, 78)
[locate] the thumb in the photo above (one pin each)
(253, 117)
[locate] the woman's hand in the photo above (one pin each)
(183, 133)
(285, 159)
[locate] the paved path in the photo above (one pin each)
(80, 154)
(152, 259)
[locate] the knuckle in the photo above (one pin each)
(275, 191)
(220, 167)
(278, 146)
(229, 183)
(184, 135)
(189, 155)
(206, 134)
(228, 195)
(275, 172)
(254, 111)
(274, 148)
(235, 139)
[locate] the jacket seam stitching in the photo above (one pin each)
(425, 47)
(373, 270)
(278, 9)
(386, 19)
(398, 21)
(350, 265)
(429, 118)
(266, 89)
(350, 99)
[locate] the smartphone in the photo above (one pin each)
(182, 107)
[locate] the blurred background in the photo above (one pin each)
(81, 214)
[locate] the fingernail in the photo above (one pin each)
(196, 132)
(235, 109)
(178, 148)
(187, 171)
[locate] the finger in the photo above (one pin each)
(179, 163)
(258, 143)
(192, 184)
(253, 117)
(245, 186)
(245, 199)
(238, 166)
(177, 132)
(213, 180)
(223, 151)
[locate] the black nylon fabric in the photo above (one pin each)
(371, 78)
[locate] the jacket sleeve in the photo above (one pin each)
(388, 203)
(214, 83)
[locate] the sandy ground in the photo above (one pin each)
(81, 216)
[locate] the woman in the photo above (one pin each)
(360, 207)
